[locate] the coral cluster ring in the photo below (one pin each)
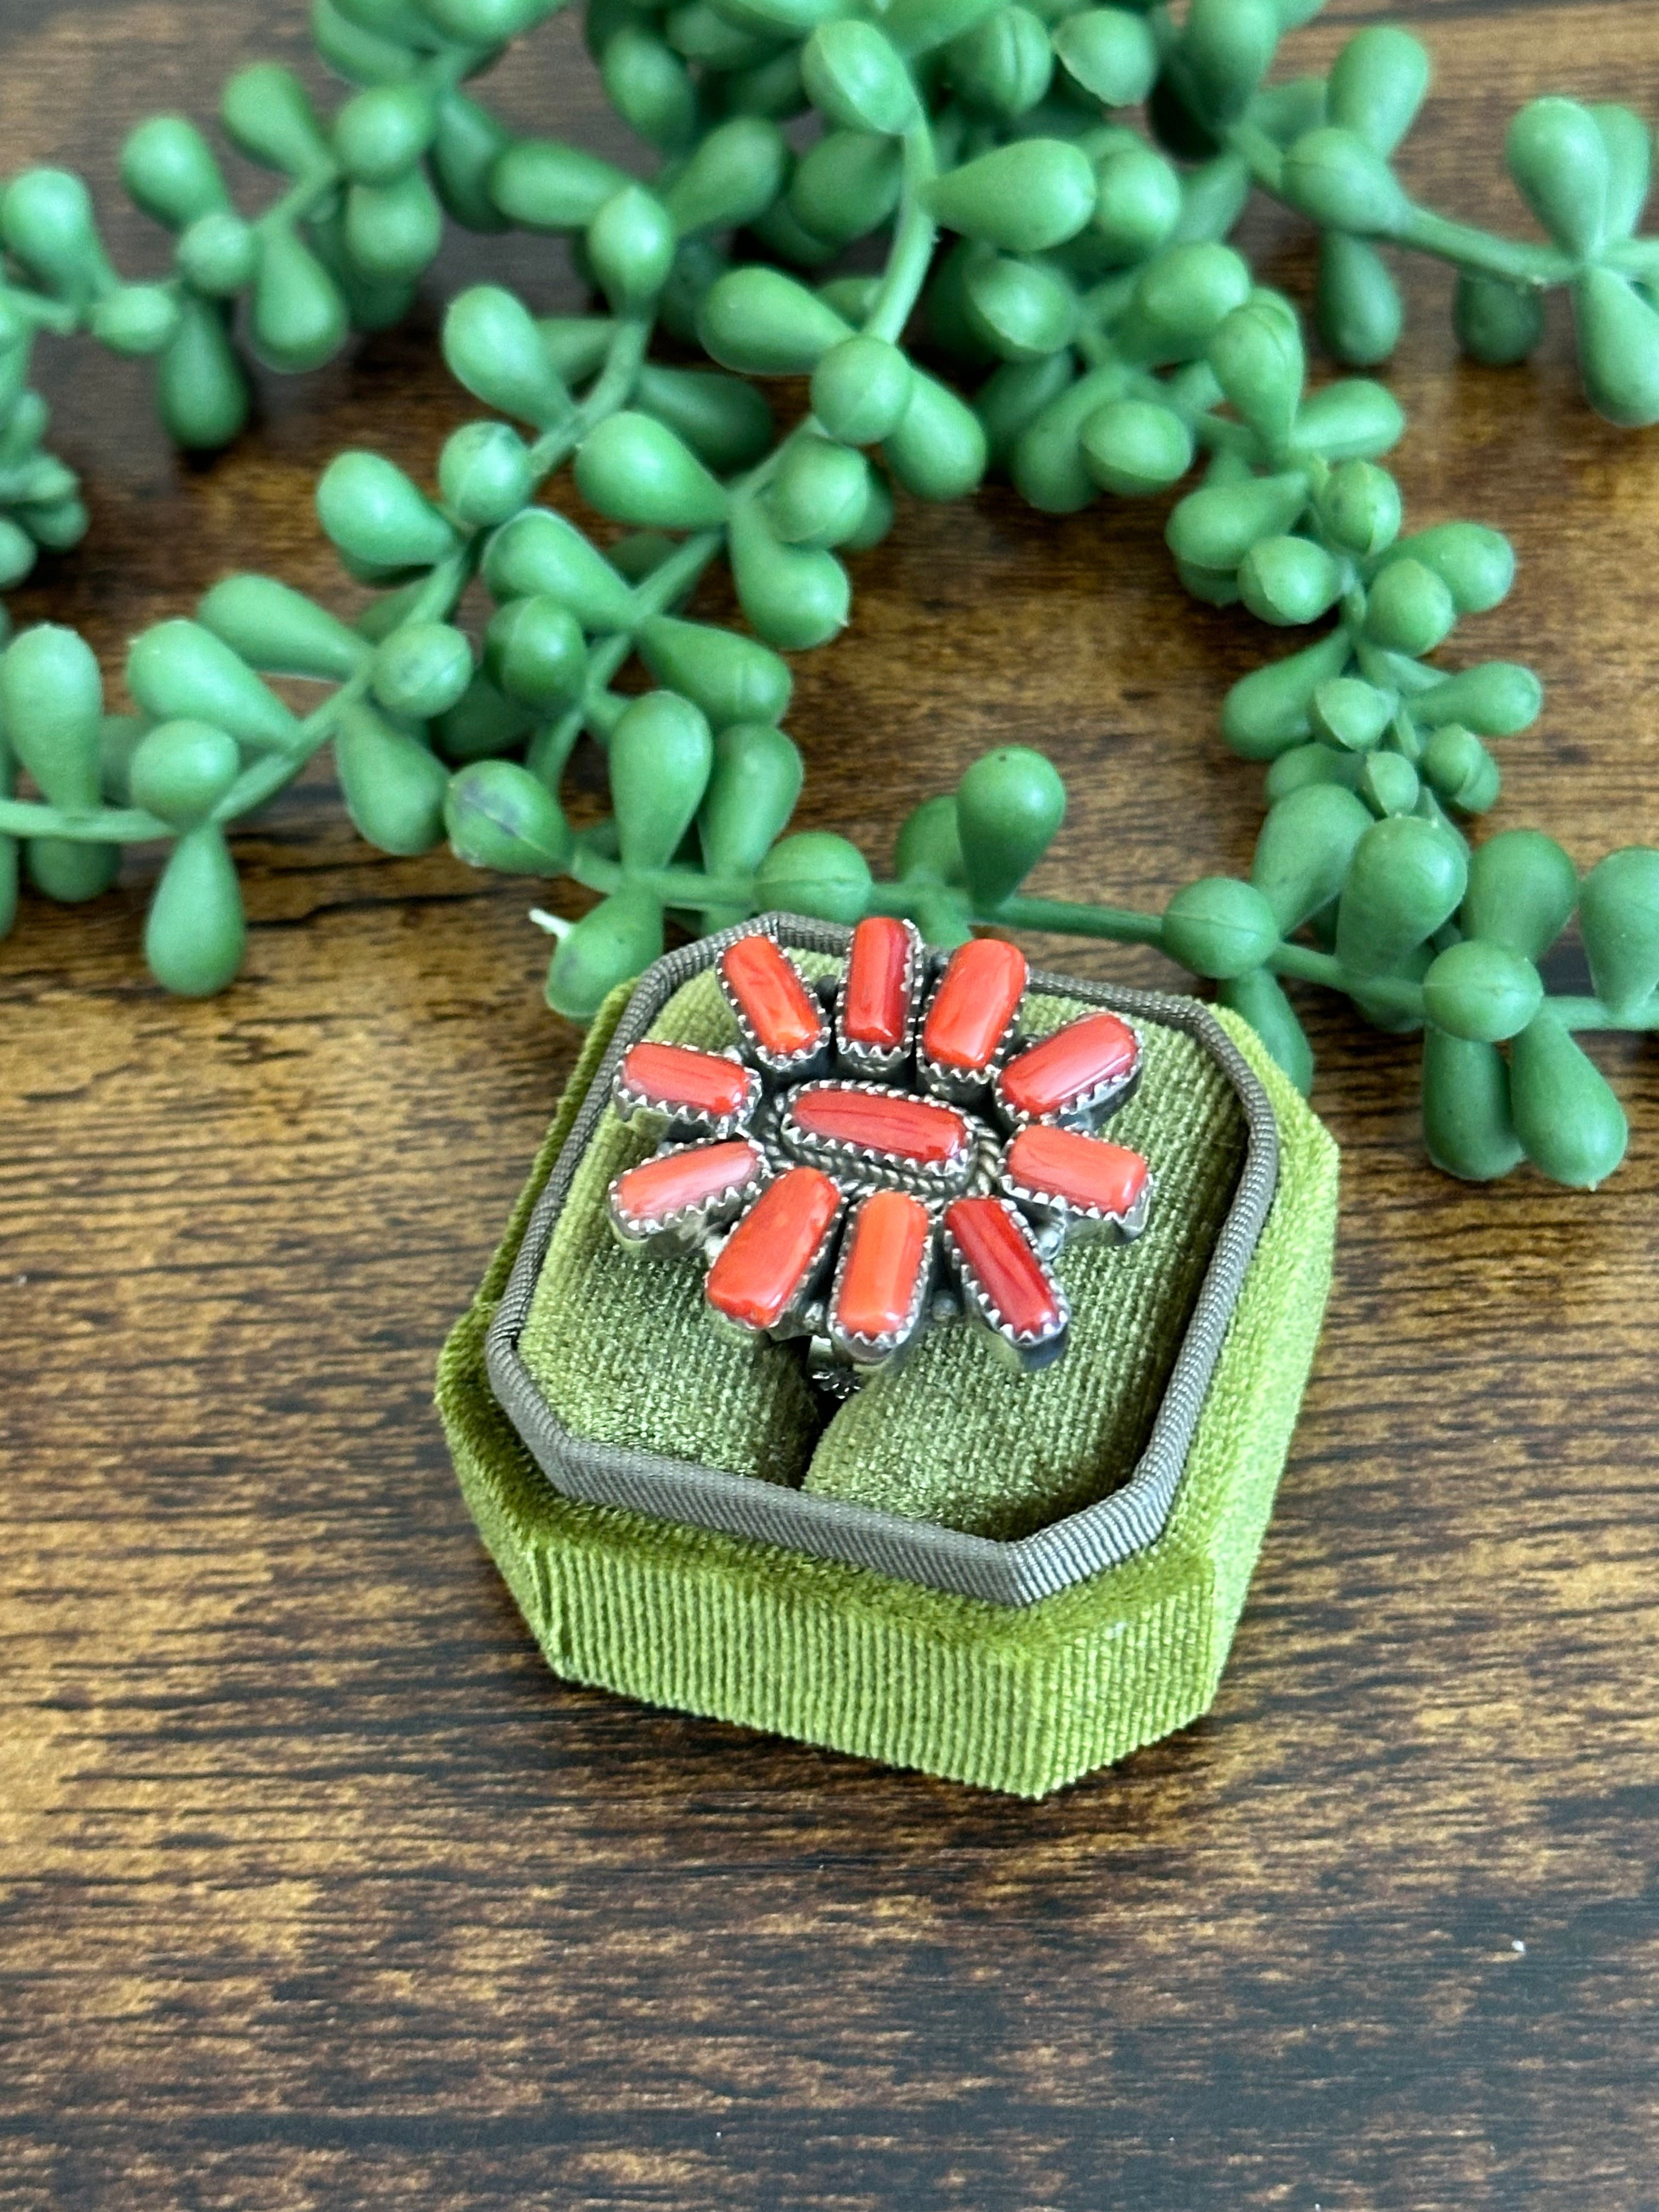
(882, 1150)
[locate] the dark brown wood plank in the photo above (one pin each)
(318, 1892)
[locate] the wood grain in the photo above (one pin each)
(318, 1892)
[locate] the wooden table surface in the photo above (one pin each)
(319, 1890)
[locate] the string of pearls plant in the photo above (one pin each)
(1086, 329)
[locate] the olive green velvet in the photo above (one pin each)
(959, 1436)
(620, 1343)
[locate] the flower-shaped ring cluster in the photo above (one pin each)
(876, 1153)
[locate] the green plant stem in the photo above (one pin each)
(33, 817)
(57, 316)
(1124, 926)
(915, 236)
(611, 390)
(908, 262)
(1068, 918)
(1216, 432)
(302, 197)
(1511, 260)
(1263, 152)
(690, 890)
(1591, 1014)
(593, 870)
(266, 777)
(441, 72)
(654, 595)
(437, 599)
(908, 265)
(687, 889)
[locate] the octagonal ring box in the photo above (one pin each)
(1004, 1578)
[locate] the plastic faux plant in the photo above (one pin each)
(1085, 329)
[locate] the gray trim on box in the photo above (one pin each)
(1018, 1573)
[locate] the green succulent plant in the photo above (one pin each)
(1057, 303)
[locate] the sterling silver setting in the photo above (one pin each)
(631, 1101)
(796, 1065)
(1087, 1111)
(967, 1087)
(883, 1064)
(943, 1284)
(1030, 1349)
(886, 1346)
(679, 1227)
(865, 1165)
(803, 1312)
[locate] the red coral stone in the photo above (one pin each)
(764, 1261)
(875, 1005)
(675, 1079)
(1068, 1066)
(916, 1129)
(695, 1177)
(775, 1001)
(999, 1257)
(887, 1251)
(974, 1004)
(1086, 1171)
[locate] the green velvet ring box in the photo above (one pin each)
(1007, 1579)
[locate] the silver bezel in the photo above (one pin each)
(1085, 1112)
(965, 1086)
(1080, 1223)
(685, 1226)
(780, 1068)
(880, 1063)
(1033, 1350)
(631, 1102)
(873, 1352)
(793, 1321)
(895, 1171)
